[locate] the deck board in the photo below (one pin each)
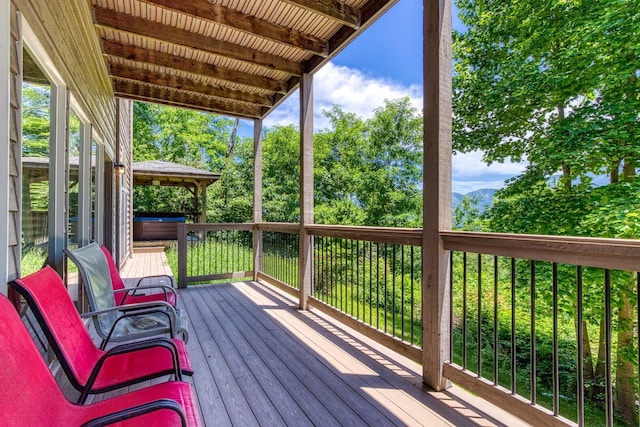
(320, 380)
(260, 361)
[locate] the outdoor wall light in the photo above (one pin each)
(119, 168)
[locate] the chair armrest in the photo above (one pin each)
(165, 289)
(159, 307)
(136, 411)
(171, 279)
(128, 348)
(133, 307)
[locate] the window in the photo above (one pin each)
(36, 149)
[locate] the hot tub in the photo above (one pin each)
(156, 227)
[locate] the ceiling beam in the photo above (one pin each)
(203, 9)
(138, 54)
(333, 9)
(136, 25)
(141, 92)
(180, 83)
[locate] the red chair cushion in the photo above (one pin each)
(134, 299)
(118, 284)
(30, 395)
(147, 363)
(77, 349)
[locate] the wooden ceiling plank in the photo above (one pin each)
(138, 54)
(141, 92)
(249, 24)
(136, 25)
(175, 82)
(333, 9)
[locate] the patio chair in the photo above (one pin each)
(31, 397)
(121, 322)
(124, 295)
(89, 369)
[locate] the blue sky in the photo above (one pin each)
(385, 62)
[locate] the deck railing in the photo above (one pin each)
(540, 325)
(546, 327)
(370, 279)
(279, 258)
(209, 252)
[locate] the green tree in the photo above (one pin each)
(556, 83)
(231, 198)
(181, 136)
(339, 169)
(391, 190)
(35, 120)
(281, 174)
(466, 215)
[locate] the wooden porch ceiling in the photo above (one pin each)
(233, 57)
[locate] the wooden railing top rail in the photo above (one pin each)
(614, 254)
(248, 226)
(280, 227)
(390, 235)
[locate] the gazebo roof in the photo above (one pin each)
(159, 172)
(240, 58)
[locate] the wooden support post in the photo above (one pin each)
(182, 256)
(257, 197)
(437, 191)
(204, 203)
(306, 187)
(5, 138)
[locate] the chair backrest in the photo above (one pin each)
(54, 310)
(96, 280)
(30, 395)
(116, 281)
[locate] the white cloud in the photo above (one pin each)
(358, 93)
(352, 90)
(470, 172)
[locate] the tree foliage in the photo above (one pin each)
(366, 172)
(557, 83)
(35, 120)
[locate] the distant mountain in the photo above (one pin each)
(484, 195)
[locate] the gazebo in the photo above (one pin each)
(163, 173)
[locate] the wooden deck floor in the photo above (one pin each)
(260, 361)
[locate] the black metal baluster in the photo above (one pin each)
(357, 261)
(334, 279)
(638, 320)
(377, 285)
(393, 290)
(451, 280)
(479, 319)
(513, 326)
(317, 254)
(580, 334)
(556, 370)
(371, 283)
(350, 261)
(402, 302)
(385, 287)
(495, 321)
(279, 259)
(344, 276)
(413, 297)
(608, 337)
(464, 310)
(532, 354)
